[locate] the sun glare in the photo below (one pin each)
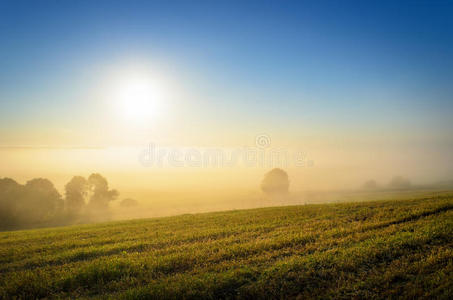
(138, 98)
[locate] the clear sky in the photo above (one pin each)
(309, 73)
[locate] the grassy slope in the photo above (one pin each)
(372, 249)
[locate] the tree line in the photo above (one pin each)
(37, 203)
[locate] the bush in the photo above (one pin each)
(275, 182)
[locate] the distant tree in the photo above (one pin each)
(400, 183)
(10, 193)
(370, 185)
(76, 192)
(275, 182)
(128, 202)
(40, 201)
(101, 196)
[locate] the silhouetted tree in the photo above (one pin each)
(128, 202)
(400, 183)
(10, 193)
(100, 193)
(370, 185)
(40, 201)
(275, 182)
(76, 192)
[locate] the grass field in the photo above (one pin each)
(377, 249)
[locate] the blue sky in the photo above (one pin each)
(304, 67)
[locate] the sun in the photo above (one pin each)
(139, 98)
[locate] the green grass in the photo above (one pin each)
(383, 249)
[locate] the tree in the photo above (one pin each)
(370, 185)
(275, 182)
(40, 201)
(76, 192)
(100, 193)
(10, 193)
(400, 183)
(128, 202)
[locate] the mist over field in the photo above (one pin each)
(179, 186)
(151, 189)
